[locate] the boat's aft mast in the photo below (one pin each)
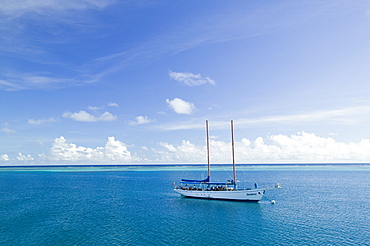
(208, 161)
(232, 151)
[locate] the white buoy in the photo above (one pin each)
(273, 202)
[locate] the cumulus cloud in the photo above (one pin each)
(4, 157)
(180, 106)
(299, 148)
(141, 120)
(86, 117)
(309, 148)
(302, 147)
(40, 121)
(113, 150)
(186, 152)
(22, 157)
(190, 79)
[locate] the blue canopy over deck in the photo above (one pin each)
(191, 181)
(206, 181)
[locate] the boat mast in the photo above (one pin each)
(232, 151)
(208, 161)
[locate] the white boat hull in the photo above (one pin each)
(253, 195)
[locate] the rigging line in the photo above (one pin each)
(251, 152)
(221, 137)
(241, 135)
(227, 171)
(257, 157)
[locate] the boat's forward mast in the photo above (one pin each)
(233, 154)
(208, 155)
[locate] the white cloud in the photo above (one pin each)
(113, 104)
(6, 128)
(116, 150)
(300, 148)
(4, 157)
(28, 26)
(169, 147)
(86, 117)
(186, 152)
(113, 150)
(41, 121)
(180, 106)
(106, 116)
(80, 116)
(22, 157)
(309, 148)
(25, 81)
(346, 116)
(33, 81)
(20, 7)
(10, 86)
(141, 120)
(190, 79)
(94, 108)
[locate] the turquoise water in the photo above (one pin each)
(319, 205)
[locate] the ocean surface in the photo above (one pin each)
(317, 205)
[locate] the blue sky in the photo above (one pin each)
(88, 81)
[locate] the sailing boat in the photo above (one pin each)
(229, 190)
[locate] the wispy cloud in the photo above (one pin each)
(216, 27)
(27, 81)
(87, 117)
(347, 115)
(113, 104)
(60, 23)
(191, 79)
(10, 86)
(7, 129)
(32, 30)
(40, 121)
(202, 30)
(96, 108)
(343, 115)
(15, 9)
